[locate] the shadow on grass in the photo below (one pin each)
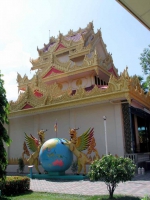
(15, 195)
(116, 197)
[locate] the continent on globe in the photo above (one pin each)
(54, 156)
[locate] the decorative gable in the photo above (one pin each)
(52, 71)
(60, 46)
(37, 93)
(27, 106)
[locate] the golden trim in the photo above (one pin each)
(54, 98)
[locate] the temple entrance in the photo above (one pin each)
(144, 135)
(140, 130)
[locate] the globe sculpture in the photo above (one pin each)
(55, 156)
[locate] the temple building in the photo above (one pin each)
(76, 83)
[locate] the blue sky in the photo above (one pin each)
(25, 24)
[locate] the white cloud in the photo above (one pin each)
(14, 59)
(10, 86)
(11, 15)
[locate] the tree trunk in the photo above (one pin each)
(111, 194)
(111, 189)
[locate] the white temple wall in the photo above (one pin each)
(86, 82)
(83, 117)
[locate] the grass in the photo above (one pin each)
(51, 196)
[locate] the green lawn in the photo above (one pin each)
(50, 196)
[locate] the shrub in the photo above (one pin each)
(15, 185)
(146, 197)
(112, 170)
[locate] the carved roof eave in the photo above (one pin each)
(123, 87)
(140, 97)
(101, 98)
(103, 69)
(67, 43)
(79, 53)
(82, 100)
(40, 66)
(85, 70)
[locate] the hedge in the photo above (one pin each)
(14, 185)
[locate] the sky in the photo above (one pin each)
(25, 24)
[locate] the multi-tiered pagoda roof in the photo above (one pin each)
(74, 69)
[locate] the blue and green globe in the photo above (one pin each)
(55, 156)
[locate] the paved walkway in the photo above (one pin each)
(139, 186)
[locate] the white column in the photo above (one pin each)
(104, 118)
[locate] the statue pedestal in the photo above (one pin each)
(57, 175)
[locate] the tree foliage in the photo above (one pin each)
(145, 60)
(145, 84)
(112, 170)
(4, 138)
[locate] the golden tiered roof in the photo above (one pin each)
(81, 43)
(44, 91)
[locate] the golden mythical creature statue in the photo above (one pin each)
(83, 142)
(81, 157)
(34, 145)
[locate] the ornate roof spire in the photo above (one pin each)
(39, 51)
(52, 40)
(60, 36)
(90, 25)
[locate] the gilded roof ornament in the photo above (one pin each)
(108, 59)
(79, 30)
(19, 78)
(39, 51)
(99, 32)
(52, 40)
(60, 36)
(90, 25)
(125, 73)
(34, 61)
(70, 32)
